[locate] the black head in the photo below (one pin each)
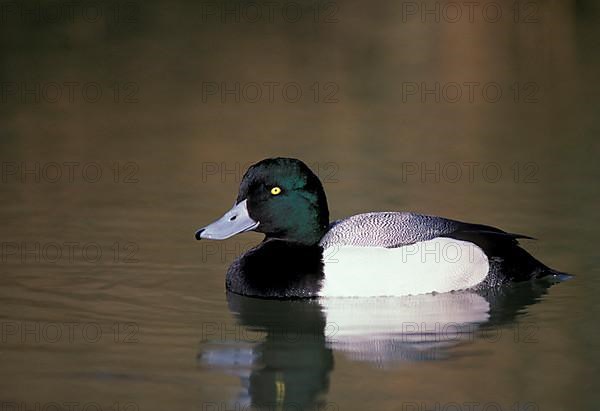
(280, 197)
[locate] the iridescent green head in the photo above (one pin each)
(280, 197)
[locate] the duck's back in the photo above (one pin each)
(387, 229)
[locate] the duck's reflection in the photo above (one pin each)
(289, 363)
(285, 355)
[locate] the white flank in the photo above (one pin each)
(439, 265)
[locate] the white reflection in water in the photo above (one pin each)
(391, 330)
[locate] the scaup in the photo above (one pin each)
(366, 255)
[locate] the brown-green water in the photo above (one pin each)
(121, 134)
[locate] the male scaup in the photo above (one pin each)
(372, 254)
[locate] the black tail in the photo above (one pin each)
(508, 261)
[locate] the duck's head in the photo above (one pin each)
(280, 197)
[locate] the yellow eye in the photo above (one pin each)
(275, 190)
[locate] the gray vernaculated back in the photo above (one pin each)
(387, 229)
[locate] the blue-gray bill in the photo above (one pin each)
(235, 221)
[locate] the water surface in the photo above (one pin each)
(147, 324)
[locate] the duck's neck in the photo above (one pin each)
(308, 236)
(302, 230)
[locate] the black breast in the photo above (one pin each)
(277, 269)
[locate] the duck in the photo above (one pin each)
(374, 254)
